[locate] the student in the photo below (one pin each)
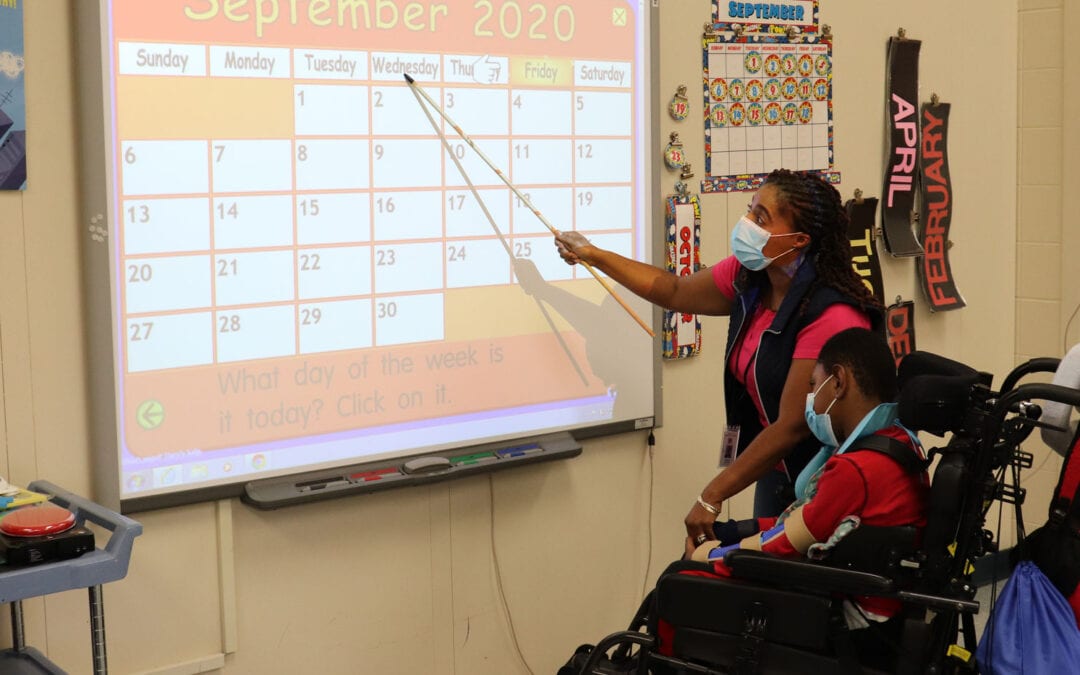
(788, 287)
(852, 385)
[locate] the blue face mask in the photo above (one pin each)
(748, 241)
(821, 424)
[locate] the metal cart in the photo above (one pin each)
(89, 571)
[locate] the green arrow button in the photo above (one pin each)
(150, 414)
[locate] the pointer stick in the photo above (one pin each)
(498, 232)
(524, 199)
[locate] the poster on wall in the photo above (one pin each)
(682, 332)
(935, 212)
(864, 254)
(12, 98)
(900, 328)
(767, 81)
(901, 169)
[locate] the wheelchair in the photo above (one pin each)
(787, 616)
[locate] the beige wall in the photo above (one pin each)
(1070, 203)
(403, 581)
(1046, 281)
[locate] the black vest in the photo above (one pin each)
(774, 354)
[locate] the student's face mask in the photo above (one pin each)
(821, 424)
(748, 241)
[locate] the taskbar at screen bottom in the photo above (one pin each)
(197, 470)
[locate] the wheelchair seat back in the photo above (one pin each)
(944, 509)
(939, 396)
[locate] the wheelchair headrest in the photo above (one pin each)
(925, 363)
(935, 392)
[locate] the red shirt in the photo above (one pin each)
(866, 484)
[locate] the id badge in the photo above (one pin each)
(729, 447)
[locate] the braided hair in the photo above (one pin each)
(817, 210)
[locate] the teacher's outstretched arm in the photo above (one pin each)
(694, 294)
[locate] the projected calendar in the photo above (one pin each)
(297, 256)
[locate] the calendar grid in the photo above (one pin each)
(573, 180)
(510, 198)
(371, 221)
(210, 252)
(295, 222)
(768, 105)
(446, 170)
(266, 190)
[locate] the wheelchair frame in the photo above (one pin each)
(933, 582)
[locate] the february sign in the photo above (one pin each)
(935, 213)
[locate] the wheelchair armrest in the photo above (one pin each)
(940, 603)
(764, 568)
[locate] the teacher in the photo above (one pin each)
(788, 288)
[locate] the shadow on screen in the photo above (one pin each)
(613, 341)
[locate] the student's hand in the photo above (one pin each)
(733, 531)
(690, 548)
(573, 247)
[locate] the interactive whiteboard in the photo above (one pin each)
(293, 271)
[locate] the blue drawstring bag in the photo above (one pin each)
(1031, 629)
